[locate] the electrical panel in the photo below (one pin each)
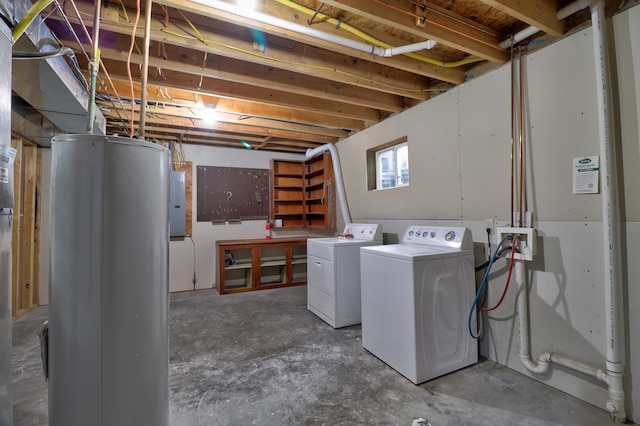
(177, 205)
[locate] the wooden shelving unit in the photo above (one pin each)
(303, 192)
(261, 264)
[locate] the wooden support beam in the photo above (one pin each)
(541, 14)
(443, 29)
(231, 108)
(413, 66)
(317, 62)
(257, 129)
(228, 70)
(36, 236)
(16, 247)
(262, 95)
(29, 167)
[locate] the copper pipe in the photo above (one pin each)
(453, 18)
(145, 67)
(427, 20)
(520, 137)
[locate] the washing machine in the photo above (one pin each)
(333, 273)
(416, 297)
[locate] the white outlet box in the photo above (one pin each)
(526, 240)
(490, 224)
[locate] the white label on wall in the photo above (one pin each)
(586, 172)
(4, 175)
(7, 154)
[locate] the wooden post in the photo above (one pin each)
(29, 167)
(17, 228)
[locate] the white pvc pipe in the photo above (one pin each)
(563, 13)
(540, 366)
(613, 376)
(394, 51)
(518, 37)
(572, 8)
(337, 172)
(613, 291)
(308, 31)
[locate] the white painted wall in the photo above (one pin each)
(205, 234)
(459, 146)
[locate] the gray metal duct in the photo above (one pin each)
(29, 123)
(50, 86)
(6, 205)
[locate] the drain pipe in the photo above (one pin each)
(615, 362)
(613, 375)
(337, 172)
(312, 32)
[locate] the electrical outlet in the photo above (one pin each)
(526, 240)
(491, 225)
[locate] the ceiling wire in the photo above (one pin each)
(104, 69)
(321, 67)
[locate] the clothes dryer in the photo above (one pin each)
(333, 273)
(415, 300)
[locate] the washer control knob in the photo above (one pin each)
(450, 236)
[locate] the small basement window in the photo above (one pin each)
(388, 165)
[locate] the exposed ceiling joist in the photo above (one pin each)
(286, 78)
(538, 13)
(442, 29)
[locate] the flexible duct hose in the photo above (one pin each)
(28, 18)
(337, 171)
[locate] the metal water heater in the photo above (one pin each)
(108, 313)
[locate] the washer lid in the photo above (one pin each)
(413, 253)
(342, 242)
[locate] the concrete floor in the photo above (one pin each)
(261, 358)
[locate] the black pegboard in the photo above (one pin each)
(232, 194)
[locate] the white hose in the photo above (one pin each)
(337, 171)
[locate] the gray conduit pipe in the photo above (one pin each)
(337, 171)
(94, 64)
(614, 372)
(145, 68)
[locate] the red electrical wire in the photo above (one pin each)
(506, 286)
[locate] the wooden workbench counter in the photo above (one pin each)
(259, 264)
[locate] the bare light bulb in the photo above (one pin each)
(208, 115)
